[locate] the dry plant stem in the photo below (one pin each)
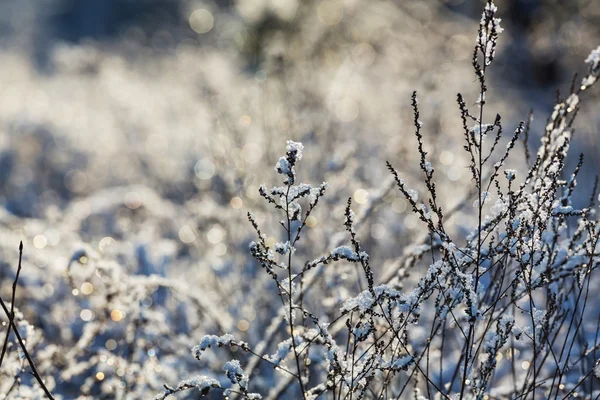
(479, 184)
(313, 277)
(562, 370)
(389, 275)
(291, 297)
(12, 305)
(34, 371)
(14, 385)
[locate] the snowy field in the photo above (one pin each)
(137, 136)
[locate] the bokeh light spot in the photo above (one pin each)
(399, 205)
(243, 325)
(105, 243)
(40, 241)
(284, 9)
(111, 344)
(245, 121)
(187, 235)
(330, 12)
(87, 288)
(378, 231)
(410, 221)
(220, 249)
(204, 169)
(361, 196)
(133, 200)
(117, 315)
(446, 157)
(252, 153)
(86, 315)
(363, 54)
(215, 234)
(236, 202)
(201, 21)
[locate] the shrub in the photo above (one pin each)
(500, 312)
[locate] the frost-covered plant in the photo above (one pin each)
(499, 311)
(510, 295)
(16, 325)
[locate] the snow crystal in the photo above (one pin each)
(401, 363)
(489, 25)
(492, 340)
(498, 208)
(295, 192)
(363, 301)
(283, 166)
(409, 301)
(491, 7)
(554, 167)
(284, 248)
(428, 167)
(295, 148)
(209, 341)
(203, 383)
(594, 57)
(364, 256)
(233, 367)
(594, 60)
(562, 209)
(413, 194)
(345, 252)
(314, 193)
(477, 129)
(283, 350)
(235, 373)
(362, 331)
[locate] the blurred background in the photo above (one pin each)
(134, 135)
(95, 94)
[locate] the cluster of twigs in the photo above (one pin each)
(513, 291)
(12, 327)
